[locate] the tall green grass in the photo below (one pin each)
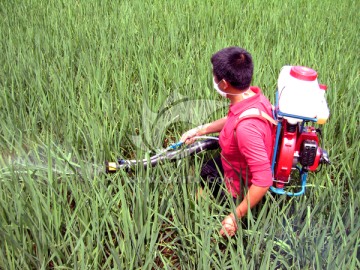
(74, 79)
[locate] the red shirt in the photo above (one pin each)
(249, 149)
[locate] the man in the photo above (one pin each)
(246, 145)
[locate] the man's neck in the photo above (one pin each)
(244, 95)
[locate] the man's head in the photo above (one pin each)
(234, 65)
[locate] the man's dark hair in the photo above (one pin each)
(235, 65)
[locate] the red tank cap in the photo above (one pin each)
(323, 87)
(303, 73)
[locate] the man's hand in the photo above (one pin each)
(252, 198)
(229, 226)
(213, 127)
(188, 136)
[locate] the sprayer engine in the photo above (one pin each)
(300, 145)
(298, 148)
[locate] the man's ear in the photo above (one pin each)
(224, 84)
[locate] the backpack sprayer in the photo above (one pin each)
(297, 147)
(300, 101)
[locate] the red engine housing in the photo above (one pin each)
(285, 155)
(296, 146)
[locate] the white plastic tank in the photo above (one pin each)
(323, 109)
(299, 92)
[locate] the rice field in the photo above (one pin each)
(87, 81)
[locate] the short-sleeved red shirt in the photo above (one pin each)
(249, 149)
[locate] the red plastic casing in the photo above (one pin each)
(290, 144)
(286, 156)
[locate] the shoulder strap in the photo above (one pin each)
(255, 113)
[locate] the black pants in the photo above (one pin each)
(212, 173)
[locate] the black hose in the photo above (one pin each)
(171, 155)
